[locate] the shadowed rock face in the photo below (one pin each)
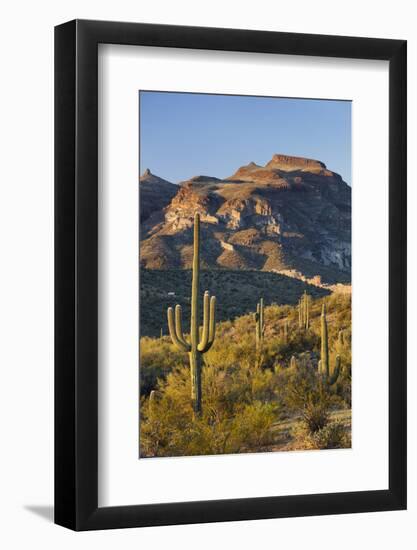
(292, 215)
(155, 194)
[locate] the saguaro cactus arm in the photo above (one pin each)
(178, 324)
(335, 375)
(212, 332)
(175, 329)
(206, 321)
(209, 323)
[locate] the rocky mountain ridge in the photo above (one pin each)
(293, 214)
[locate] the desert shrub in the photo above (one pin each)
(252, 426)
(343, 387)
(308, 395)
(233, 418)
(233, 354)
(334, 435)
(244, 392)
(158, 357)
(315, 414)
(298, 342)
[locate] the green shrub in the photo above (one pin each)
(308, 396)
(333, 435)
(233, 420)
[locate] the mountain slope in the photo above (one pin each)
(155, 194)
(292, 215)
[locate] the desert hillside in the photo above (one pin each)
(237, 293)
(273, 400)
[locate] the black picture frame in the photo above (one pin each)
(76, 272)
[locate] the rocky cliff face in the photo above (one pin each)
(155, 194)
(292, 215)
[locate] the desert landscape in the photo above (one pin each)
(245, 310)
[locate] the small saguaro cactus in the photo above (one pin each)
(324, 364)
(285, 331)
(307, 310)
(304, 311)
(153, 396)
(260, 324)
(197, 345)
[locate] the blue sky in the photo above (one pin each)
(184, 135)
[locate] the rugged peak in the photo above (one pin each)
(289, 163)
(151, 180)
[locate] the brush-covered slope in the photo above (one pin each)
(237, 293)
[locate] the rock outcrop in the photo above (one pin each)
(155, 194)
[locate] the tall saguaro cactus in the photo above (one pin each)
(304, 311)
(260, 324)
(197, 346)
(324, 364)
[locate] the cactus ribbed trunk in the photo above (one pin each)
(304, 312)
(260, 324)
(307, 319)
(195, 371)
(324, 365)
(195, 355)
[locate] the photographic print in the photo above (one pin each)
(244, 274)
